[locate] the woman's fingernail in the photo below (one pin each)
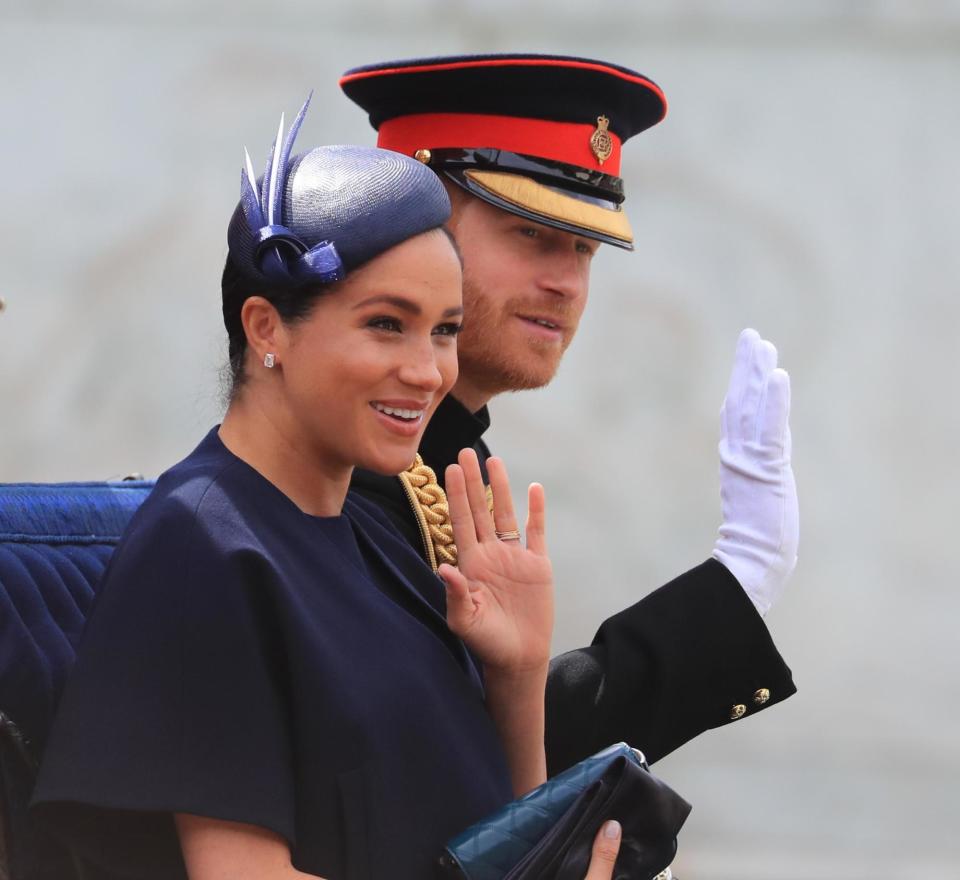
(611, 828)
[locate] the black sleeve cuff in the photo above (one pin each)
(692, 655)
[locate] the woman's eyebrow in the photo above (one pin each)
(404, 304)
(400, 302)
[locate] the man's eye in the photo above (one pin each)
(530, 231)
(384, 322)
(584, 248)
(451, 329)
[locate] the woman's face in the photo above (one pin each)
(364, 372)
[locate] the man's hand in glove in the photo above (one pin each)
(760, 531)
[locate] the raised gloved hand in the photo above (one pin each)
(760, 530)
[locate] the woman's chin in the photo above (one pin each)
(389, 465)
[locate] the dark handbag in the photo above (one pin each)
(549, 832)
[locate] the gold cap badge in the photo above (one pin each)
(600, 141)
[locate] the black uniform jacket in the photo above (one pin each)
(690, 656)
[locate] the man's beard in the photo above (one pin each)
(491, 356)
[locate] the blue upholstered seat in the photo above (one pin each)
(55, 542)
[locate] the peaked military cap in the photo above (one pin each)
(537, 135)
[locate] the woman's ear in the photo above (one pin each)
(263, 328)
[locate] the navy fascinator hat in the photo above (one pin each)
(314, 218)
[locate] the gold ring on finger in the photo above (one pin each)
(509, 535)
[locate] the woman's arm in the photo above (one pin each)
(516, 705)
(214, 849)
(500, 602)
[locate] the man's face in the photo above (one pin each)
(524, 290)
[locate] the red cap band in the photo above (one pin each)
(561, 141)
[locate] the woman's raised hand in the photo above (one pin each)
(500, 595)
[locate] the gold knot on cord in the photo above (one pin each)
(429, 503)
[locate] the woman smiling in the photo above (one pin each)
(272, 683)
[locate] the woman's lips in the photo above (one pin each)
(403, 417)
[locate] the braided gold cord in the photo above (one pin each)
(433, 512)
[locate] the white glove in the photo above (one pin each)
(758, 495)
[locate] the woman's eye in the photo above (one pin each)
(384, 322)
(451, 329)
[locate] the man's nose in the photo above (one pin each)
(563, 275)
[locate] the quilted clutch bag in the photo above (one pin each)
(549, 832)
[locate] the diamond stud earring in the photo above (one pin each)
(269, 359)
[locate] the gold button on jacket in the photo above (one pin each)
(738, 711)
(761, 696)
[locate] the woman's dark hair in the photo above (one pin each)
(292, 304)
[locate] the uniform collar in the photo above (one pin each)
(452, 428)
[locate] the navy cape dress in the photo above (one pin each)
(249, 662)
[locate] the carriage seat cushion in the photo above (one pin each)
(55, 542)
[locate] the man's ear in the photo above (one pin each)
(263, 327)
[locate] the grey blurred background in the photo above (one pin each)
(805, 183)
